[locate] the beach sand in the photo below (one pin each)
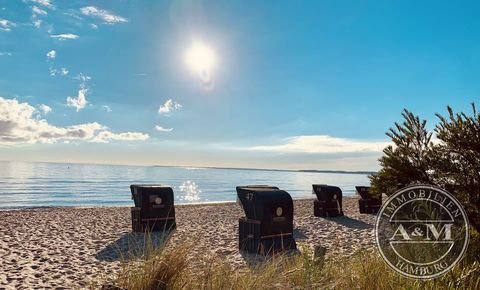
(70, 247)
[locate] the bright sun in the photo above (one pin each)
(201, 59)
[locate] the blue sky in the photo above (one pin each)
(293, 84)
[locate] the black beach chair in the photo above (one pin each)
(267, 227)
(154, 208)
(368, 203)
(328, 202)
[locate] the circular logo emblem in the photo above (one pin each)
(279, 211)
(422, 231)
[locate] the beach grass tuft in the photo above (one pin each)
(174, 267)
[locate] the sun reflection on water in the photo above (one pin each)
(190, 190)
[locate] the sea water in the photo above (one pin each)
(24, 184)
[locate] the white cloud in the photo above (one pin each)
(44, 3)
(323, 144)
(161, 129)
(52, 54)
(37, 23)
(73, 14)
(107, 16)
(5, 53)
(169, 106)
(83, 78)
(54, 72)
(80, 101)
(107, 108)
(44, 109)
(435, 139)
(20, 123)
(93, 26)
(6, 25)
(105, 136)
(38, 11)
(64, 36)
(63, 71)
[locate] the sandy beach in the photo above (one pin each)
(64, 248)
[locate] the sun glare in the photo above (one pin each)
(200, 58)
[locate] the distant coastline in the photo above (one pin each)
(338, 171)
(270, 169)
(210, 167)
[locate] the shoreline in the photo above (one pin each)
(356, 197)
(71, 247)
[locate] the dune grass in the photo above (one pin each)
(174, 267)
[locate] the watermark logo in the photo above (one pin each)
(422, 231)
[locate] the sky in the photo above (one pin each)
(256, 84)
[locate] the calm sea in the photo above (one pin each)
(53, 184)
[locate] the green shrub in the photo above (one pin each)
(452, 163)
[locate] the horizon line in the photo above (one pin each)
(368, 172)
